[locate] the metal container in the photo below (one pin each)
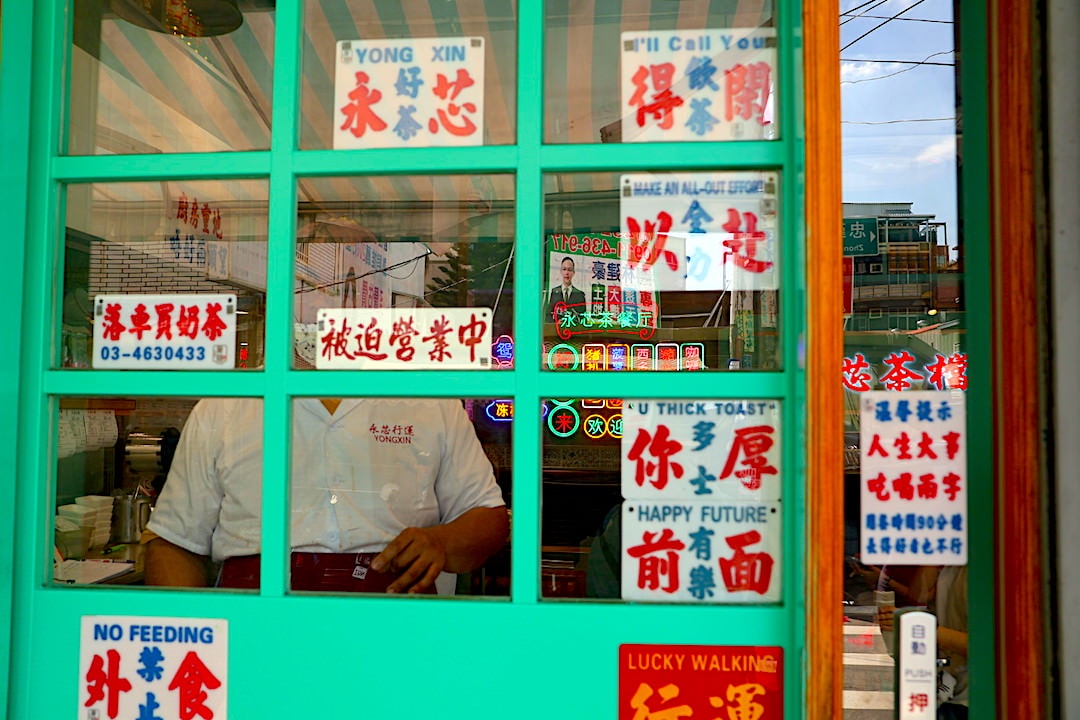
(130, 515)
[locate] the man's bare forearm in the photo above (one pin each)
(169, 565)
(472, 538)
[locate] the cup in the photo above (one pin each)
(885, 602)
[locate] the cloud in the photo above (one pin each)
(942, 151)
(859, 71)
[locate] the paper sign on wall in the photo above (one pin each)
(914, 484)
(153, 667)
(417, 92)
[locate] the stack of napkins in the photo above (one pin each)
(93, 512)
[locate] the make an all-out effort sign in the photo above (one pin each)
(153, 667)
(403, 338)
(165, 332)
(701, 681)
(418, 92)
(913, 452)
(698, 85)
(702, 231)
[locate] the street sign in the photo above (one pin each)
(860, 236)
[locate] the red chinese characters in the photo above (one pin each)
(359, 112)
(662, 101)
(419, 337)
(661, 447)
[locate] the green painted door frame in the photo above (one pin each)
(302, 656)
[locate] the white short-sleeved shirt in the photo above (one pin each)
(359, 477)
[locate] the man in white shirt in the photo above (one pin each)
(385, 494)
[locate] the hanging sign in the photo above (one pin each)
(698, 85)
(708, 681)
(164, 332)
(403, 338)
(418, 92)
(701, 450)
(721, 226)
(153, 667)
(914, 485)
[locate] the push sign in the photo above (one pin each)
(164, 332)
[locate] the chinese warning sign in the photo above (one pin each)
(164, 332)
(703, 85)
(403, 338)
(419, 92)
(153, 667)
(913, 449)
(721, 227)
(701, 515)
(711, 682)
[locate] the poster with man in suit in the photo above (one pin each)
(564, 297)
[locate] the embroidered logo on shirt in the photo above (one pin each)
(395, 434)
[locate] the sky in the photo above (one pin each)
(898, 116)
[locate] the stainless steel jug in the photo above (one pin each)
(130, 515)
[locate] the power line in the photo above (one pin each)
(882, 24)
(921, 20)
(855, 17)
(903, 62)
(894, 122)
(901, 72)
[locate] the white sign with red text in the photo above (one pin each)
(153, 667)
(403, 338)
(722, 226)
(164, 332)
(714, 450)
(416, 92)
(698, 85)
(701, 552)
(914, 484)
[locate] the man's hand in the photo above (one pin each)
(416, 556)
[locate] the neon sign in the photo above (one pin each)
(598, 357)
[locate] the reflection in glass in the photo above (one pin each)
(175, 242)
(408, 272)
(408, 74)
(688, 71)
(395, 481)
(145, 79)
(614, 472)
(189, 471)
(661, 271)
(904, 309)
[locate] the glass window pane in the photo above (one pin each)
(406, 272)
(403, 481)
(126, 465)
(381, 73)
(147, 78)
(166, 275)
(662, 500)
(661, 271)
(688, 71)
(905, 337)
